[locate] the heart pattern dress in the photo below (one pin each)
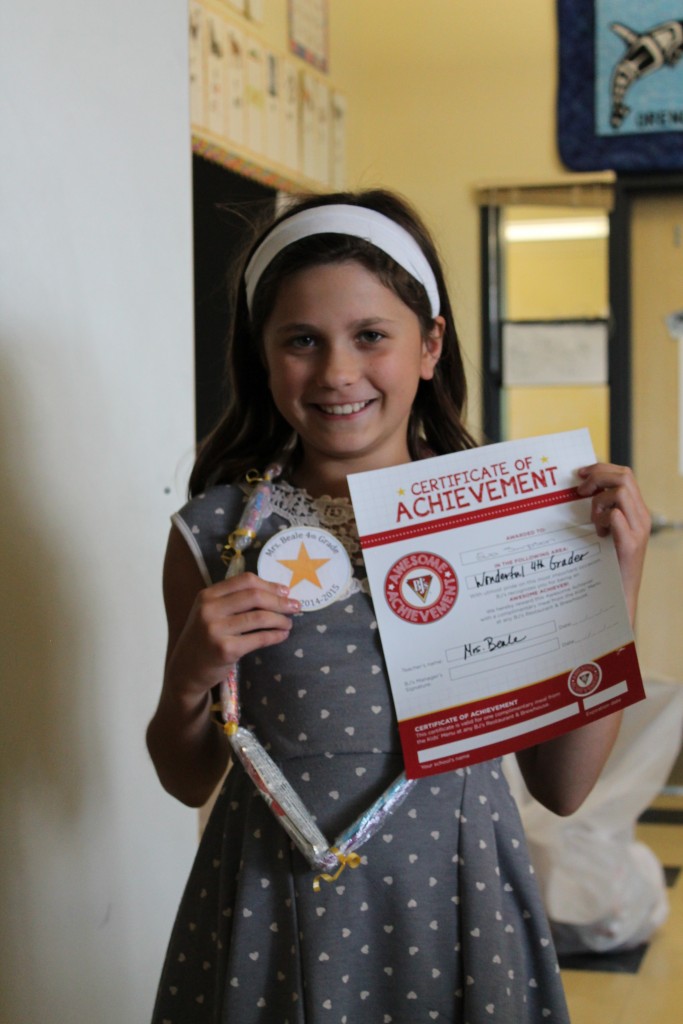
(442, 920)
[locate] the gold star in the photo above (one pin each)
(544, 458)
(401, 491)
(303, 567)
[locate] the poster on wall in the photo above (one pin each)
(620, 95)
(555, 353)
(338, 141)
(674, 323)
(197, 64)
(215, 73)
(308, 31)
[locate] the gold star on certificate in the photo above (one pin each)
(303, 567)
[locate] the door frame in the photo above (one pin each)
(627, 187)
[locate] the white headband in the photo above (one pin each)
(343, 219)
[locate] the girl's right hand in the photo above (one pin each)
(209, 629)
(226, 621)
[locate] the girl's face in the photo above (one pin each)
(344, 357)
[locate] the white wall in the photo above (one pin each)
(96, 426)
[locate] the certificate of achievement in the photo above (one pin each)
(501, 611)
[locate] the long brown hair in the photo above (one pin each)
(251, 431)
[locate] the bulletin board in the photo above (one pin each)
(620, 90)
(261, 107)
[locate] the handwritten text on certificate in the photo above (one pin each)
(501, 611)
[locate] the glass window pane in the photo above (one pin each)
(555, 268)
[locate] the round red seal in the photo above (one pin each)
(585, 679)
(421, 587)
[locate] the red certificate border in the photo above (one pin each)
(549, 703)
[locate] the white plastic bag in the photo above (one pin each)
(603, 890)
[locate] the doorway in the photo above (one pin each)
(547, 337)
(644, 381)
(225, 207)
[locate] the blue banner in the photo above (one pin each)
(639, 72)
(620, 96)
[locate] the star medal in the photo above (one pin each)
(311, 562)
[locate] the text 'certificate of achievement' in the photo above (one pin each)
(501, 611)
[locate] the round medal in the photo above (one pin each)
(311, 562)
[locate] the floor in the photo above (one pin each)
(644, 986)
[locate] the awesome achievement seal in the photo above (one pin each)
(421, 587)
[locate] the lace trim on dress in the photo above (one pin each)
(298, 508)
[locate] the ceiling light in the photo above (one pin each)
(556, 230)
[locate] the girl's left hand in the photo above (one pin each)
(618, 509)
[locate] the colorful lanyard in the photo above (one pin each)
(280, 796)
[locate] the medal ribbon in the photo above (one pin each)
(284, 802)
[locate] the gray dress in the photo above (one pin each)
(442, 920)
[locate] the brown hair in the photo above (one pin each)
(251, 431)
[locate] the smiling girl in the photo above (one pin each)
(342, 357)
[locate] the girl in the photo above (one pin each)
(343, 356)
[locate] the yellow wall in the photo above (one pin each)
(442, 96)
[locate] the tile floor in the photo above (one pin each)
(644, 986)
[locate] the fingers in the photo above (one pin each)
(239, 593)
(617, 504)
(244, 613)
(617, 508)
(229, 620)
(246, 581)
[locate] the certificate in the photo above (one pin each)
(501, 611)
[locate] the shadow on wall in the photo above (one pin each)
(45, 722)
